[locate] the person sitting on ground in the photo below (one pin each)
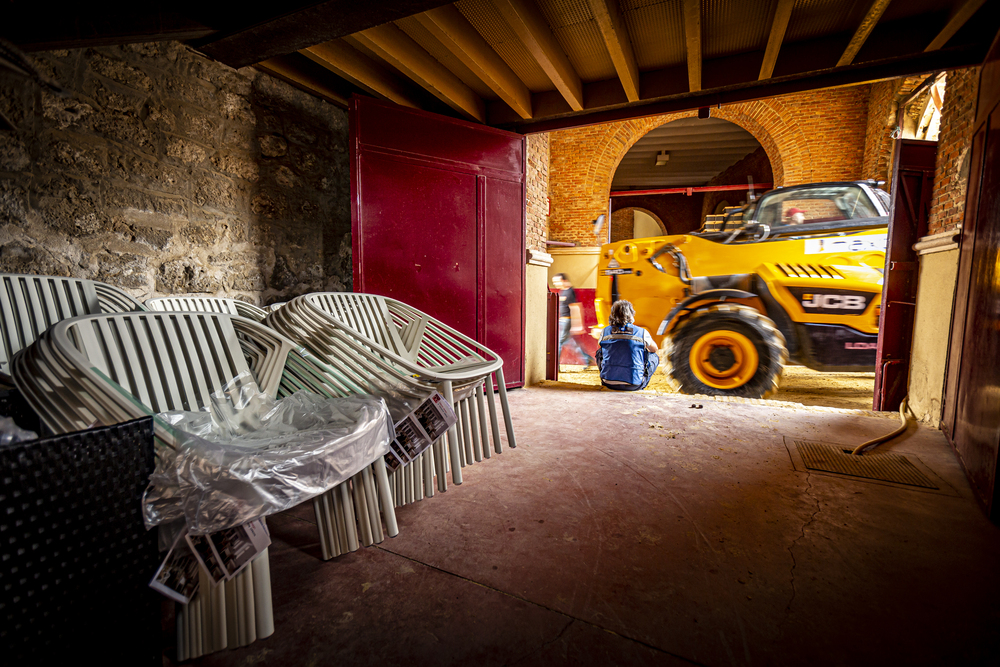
(627, 357)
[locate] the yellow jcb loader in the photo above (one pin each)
(795, 275)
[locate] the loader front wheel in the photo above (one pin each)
(726, 350)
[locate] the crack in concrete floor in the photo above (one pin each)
(791, 547)
(571, 618)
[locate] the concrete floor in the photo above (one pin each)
(799, 385)
(635, 529)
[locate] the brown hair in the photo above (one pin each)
(622, 313)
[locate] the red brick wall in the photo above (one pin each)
(537, 191)
(677, 213)
(883, 104)
(622, 223)
(957, 116)
(881, 122)
(755, 164)
(812, 136)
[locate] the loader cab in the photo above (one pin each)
(812, 209)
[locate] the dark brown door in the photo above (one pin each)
(437, 216)
(913, 181)
(972, 398)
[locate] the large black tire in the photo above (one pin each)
(739, 352)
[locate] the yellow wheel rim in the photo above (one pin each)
(724, 359)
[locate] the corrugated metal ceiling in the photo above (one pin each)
(906, 8)
(488, 22)
(574, 27)
(729, 28)
(699, 149)
(657, 31)
(816, 18)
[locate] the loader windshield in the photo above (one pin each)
(799, 206)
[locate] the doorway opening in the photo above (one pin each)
(692, 157)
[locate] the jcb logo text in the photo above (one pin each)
(833, 301)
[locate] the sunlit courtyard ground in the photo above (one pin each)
(799, 385)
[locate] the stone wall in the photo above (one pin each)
(951, 172)
(808, 137)
(165, 172)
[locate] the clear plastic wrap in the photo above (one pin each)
(250, 455)
(11, 432)
(399, 401)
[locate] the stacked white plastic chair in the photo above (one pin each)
(371, 374)
(353, 376)
(206, 304)
(111, 368)
(31, 304)
(411, 348)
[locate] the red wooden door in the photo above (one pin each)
(437, 217)
(913, 180)
(972, 402)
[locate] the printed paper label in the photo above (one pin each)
(846, 244)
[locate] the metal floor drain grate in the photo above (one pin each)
(885, 467)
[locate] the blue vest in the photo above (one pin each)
(623, 354)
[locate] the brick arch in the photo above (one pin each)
(808, 137)
(622, 230)
(785, 144)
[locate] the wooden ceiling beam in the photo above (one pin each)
(283, 68)
(456, 34)
(868, 24)
(782, 14)
(352, 65)
(692, 36)
(605, 107)
(955, 23)
(397, 48)
(616, 39)
(531, 28)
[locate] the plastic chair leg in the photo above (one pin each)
(467, 433)
(453, 443)
(494, 422)
(428, 471)
(263, 607)
(505, 407)
(388, 512)
(481, 412)
(440, 463)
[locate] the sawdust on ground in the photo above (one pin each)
(799, 385)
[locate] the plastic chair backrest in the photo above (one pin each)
(404, 331)
(31, 304)
(207, 304)
(107, 368)
(168, 361)
(347, 361)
